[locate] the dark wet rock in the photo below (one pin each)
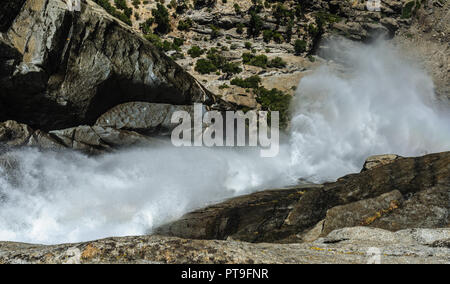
(254, 217)
(97, 140)
(14, 134)
(78, 65)
(407, 193)
(361, 213)
(8, 11)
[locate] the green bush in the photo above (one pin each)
(299, 46)
(113, 11)
(255, 60)
(147, 25)
(237, 8)
(185, 25)
(231, 68)
(277, 37)
(178, 42)
(277, 62)
(215, 56)
(156, 40)
(248, 83)
(407, 10)
(215, 32)
(255, 25)
(162, 20)
(267, 35)
(136, 3)
(205, 66)
(195, 51)
(240, 28)
(275, 100)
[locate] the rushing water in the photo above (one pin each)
(383, 104)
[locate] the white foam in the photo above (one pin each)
(384, 105)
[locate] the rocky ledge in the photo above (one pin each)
(394, 212)
(403, 194)
(350, 245)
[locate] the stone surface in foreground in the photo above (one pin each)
(349, 245)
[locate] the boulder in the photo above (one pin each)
(249, 218)
(142, 117)
(406, 193)
(97, 140)
(14, 134)
(379, 160)
(77, 65)
(364, 212)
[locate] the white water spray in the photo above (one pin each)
(384, 105)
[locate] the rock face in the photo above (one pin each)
(407, 193)
(87, 139)
(379, 160)
(350, 245)
(13, 134)
(97, 139)
(76, 66)
(146, 118)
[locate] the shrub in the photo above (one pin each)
(181, 7)
(177, 42)
(136, 3)
(161, 16)
(267, 35)
(255, 25)
(277, 37)
(146, 26)
(248, 83)
(113, 11)
(277, 62)
(275, 100)
(205, 66)
(195, 51)
(407, 10)
(247, 57)
(299, 46)
(231, 68)
(215, 56)
(237, 8)
(215, 32)
(156, 40)
(240, 28)
(313, 30)
(259, 60)
(185, 25)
